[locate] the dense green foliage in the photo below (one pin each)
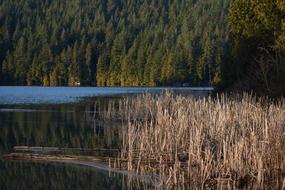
(258, 52)
(119, 42)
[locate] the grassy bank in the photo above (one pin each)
(209, 142)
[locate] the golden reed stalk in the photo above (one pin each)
(207, 142)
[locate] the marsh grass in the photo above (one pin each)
(221, 142)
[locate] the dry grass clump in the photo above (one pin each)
(207, 142)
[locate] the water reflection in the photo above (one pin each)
(35, 176)
(66, 125)
(74, 125)
(70, 125)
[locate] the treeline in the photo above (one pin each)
(257, 59)
(112, 43)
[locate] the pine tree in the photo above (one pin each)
(130, 42)
(88, 63)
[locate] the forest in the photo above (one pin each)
(231, 44)
(257, 51)
(112, 43)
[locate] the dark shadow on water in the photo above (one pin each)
(34, 176)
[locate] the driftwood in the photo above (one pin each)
(59, 149)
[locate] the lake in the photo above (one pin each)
(62, 117)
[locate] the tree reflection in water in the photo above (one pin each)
(69, 125)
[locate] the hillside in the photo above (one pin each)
(112, 43)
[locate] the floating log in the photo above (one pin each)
(23, 156)
(55, 149)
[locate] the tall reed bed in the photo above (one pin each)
(205, 143)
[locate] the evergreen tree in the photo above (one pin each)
(96, 42)
(258, 53)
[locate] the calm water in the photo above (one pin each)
(64, 117)
(59, 95)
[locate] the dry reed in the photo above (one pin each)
(207, 143)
